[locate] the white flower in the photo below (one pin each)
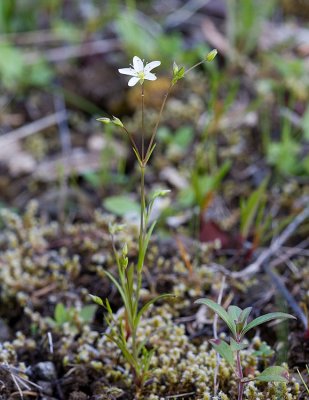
(139, 72)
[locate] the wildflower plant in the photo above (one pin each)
(237, 321)
(129, 281)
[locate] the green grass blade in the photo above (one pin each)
(147, 305)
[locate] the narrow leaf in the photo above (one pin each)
(220, 311)
(148, 304)
(245, 314)
(265, 318)
(120, 290)
(234, 312)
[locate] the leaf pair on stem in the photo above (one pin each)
(237, 321)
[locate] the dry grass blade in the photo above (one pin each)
(20, 382)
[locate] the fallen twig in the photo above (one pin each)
(74, 51)
(30, 129)
(288, 297)
(256, 266)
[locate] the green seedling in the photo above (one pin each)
(284, 155)
(72, 315)
(129, 280)
(252, 211)
(237, 321)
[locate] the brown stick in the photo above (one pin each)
(73, 51)
(30, 129)
(274, 247)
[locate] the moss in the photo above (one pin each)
(45, 263)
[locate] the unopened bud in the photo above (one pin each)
(125, 249)
(104, 120)
(211, 55)
(175, 68)
(116, 121)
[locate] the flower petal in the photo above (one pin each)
(138, 64)
(151, 65)
(127, 71)
(133, 81)
(150, 76)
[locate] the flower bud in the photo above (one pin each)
(116, 121)
(125, 250)
(211, 55)
(104, 120)
(175, 68)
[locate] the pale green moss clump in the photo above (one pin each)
(181, 366)
(44, 263)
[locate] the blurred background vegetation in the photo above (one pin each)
(246, 114)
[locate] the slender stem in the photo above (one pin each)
(141, 263)
(142, 211)
(239, 373)
(158, 121)
(143, 125)
(194, 66)
(133, 144)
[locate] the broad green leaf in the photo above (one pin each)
(183, 137)
(87, 312)
(265, 318)
(274, 374)
(61, 314)
(121, 205)
(234, 312)
(245, 314)
(220, 311)
(97, 300)
(237, 346)
(224, 350)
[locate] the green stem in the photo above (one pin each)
(142, 231)
(143, 125)
(158, 121)
(133, 144)
(140, 260)
(194, 66)
(239, 373)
